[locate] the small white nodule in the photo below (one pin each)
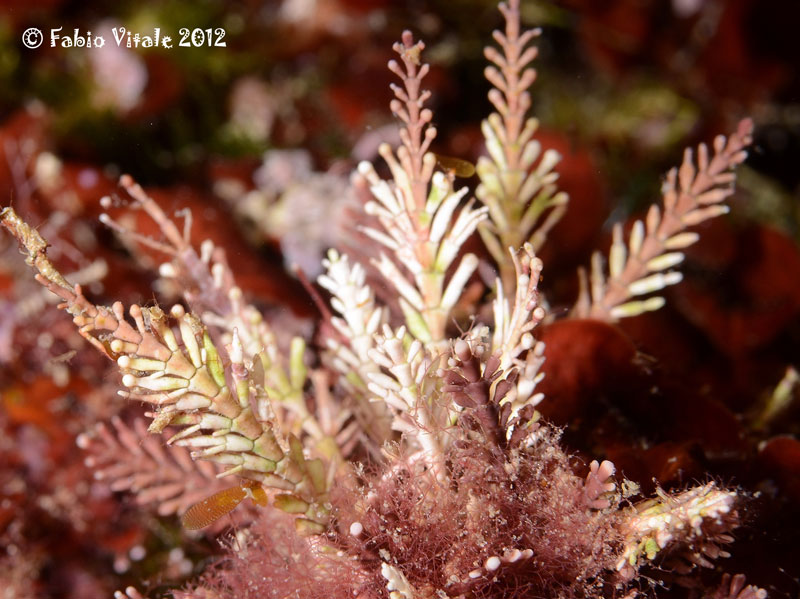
(356, 528)
(492, 563)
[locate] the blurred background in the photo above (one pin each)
(258, 138)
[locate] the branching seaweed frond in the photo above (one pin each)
(476, 383)
(171, 363)
(599, 483)
(692, 194)
(355, 331)
(692, 520)
(128, 459)
(512, 340)
(417, 211)
(409, 386)
(209, 288)
(517, 178)
(513, 323)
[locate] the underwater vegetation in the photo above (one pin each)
(431, 375)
